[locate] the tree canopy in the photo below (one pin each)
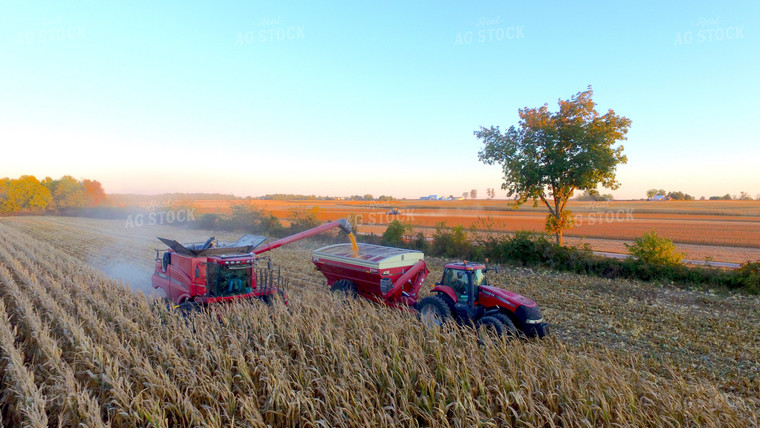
(93, 192)
(680, 196)
(591, 195)
(26, 194)
(68, 193)
(548, 156)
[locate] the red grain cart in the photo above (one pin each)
(391, 275)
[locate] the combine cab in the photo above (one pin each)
(210, 272)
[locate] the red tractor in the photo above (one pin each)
(209, 272)
(465, 295)
(394, 277)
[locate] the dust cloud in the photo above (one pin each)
(138, 278)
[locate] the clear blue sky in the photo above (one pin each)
(342, 98)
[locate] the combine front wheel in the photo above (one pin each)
(277, 296)
(187, 307)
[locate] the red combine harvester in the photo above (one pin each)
(209, 272)
(394, 276)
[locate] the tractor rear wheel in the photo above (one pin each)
(344, 287)
(510, 331)
(433, 311)
(490, 326)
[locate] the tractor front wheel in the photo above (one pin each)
(510, 331)
(491, 326)
(434, 311)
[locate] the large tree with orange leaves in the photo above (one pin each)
(94, 193)
(550, 155)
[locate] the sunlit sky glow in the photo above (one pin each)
(349, 98)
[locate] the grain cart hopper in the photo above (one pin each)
(210, 272)
(388, 274)
(394, 276)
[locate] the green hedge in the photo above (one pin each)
(536, 249)
(248, 219)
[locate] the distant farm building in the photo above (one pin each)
(659, 198)
(429, 198)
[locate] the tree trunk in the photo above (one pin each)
(559, 238)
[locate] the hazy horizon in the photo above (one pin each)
(481, 197)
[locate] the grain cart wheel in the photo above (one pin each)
(510, 331)
(344, 287)
(490, 326)
(433, 311)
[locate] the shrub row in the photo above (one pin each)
(247, 218)
(537, 250)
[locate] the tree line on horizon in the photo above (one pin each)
(680, 196)
(27, 195)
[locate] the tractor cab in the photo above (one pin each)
(465, 280)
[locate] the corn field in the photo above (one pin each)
(78, 346)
